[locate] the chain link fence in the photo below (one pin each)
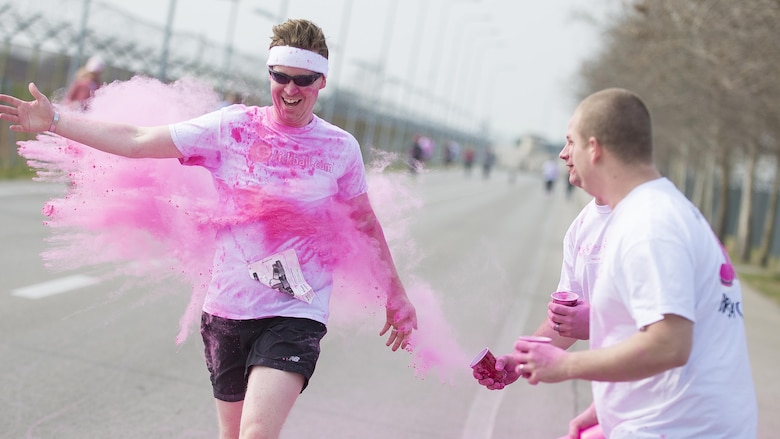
(46, 41)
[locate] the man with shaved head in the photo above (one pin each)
(668, 353)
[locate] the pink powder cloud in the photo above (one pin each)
(152, 220)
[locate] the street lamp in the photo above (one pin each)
(231, 31)
(387, 131)
(161, 75)
(364, 96)
(490, 87)
(455, 64)
(462, 84)
(278, 17)
(346, 14)
(400, 126)
(283, 10)
(436, 58)
(368, 138)
(76, 62)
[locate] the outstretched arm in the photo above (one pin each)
(401, 315)
(40, 115)
(660, 346)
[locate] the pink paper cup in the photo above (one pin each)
(565, 298)
(485, 364)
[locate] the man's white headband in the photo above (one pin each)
(299, 58)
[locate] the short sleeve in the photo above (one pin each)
(353, 182)
(197, 139)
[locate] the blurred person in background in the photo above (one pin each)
(451, 152)
(416, 155)
(86, 82)
(488, 161)
(261, 342)
(549, 174)
(469, 155)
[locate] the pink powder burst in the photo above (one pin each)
(140, 217)
(151, 220)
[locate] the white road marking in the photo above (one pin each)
(56, 286)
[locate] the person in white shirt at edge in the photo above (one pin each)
(668, 354)
(262, 342)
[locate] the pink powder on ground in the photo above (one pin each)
(152, 219)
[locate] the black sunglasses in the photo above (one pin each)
(299, 80)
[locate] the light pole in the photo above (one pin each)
(476, 71)
(479, 20)
(231, 31)
(76, 62)
(401, 122)
(386, 134)
(277, 18)
(363, 97)
(161, 75)
(283, 10)
(490, 87)
(346, 14)
(368, 138)
(433, 73)
(464, 82)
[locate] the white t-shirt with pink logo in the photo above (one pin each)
(280, 188)
(662, 258)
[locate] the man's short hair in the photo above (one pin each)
(621, 123)
(300, 33)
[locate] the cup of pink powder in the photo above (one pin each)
(565, 298)
(485, 364)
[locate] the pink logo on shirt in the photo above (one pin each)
(726, 274)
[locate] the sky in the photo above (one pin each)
(509, 65)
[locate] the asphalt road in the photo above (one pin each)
(100, 361)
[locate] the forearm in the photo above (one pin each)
(116, 138)
(544, 330)
(367, 223)
(373, 229)
(662, 346)
(120, 139)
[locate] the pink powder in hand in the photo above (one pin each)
(485, 364)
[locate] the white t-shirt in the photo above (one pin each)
(279, 188)
(662, 258)
(582, 246)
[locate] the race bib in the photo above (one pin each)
(282, 272)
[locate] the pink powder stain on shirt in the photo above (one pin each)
(235, 134)
(153, 219)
